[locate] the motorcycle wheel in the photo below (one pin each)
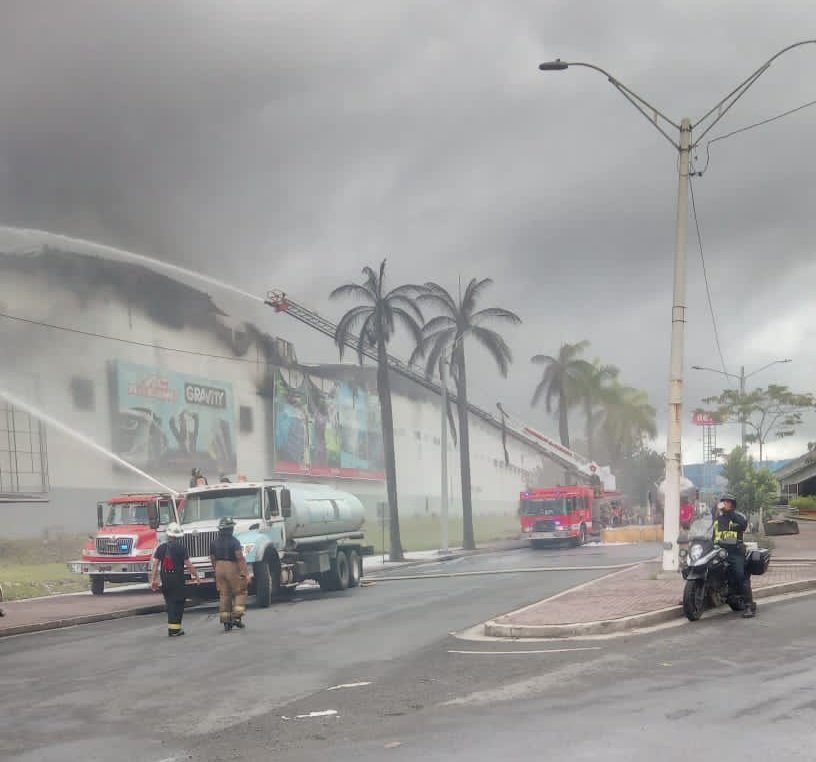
(694, 599)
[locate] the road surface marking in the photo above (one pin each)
(541, 651)
(324, 713)
(347, 685)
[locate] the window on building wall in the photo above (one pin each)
(82, 393)
(245, 419)
(23, 455)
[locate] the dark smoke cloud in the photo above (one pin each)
(288, 144)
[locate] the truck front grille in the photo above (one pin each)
(544, 526)
(198, 544)
(114, 546)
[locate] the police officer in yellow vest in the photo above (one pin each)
(729, 527)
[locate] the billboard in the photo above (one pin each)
(326, 427)
(166, 421)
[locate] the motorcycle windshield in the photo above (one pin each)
(701, 529)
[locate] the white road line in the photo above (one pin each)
(347, 685)
(516, 653)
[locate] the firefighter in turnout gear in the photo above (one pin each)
(729, 527)
(170, 559)
(231, 575)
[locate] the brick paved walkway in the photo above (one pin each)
(638, 590)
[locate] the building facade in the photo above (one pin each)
(114, 374)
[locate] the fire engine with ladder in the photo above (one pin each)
(583, 508)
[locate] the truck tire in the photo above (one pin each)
(355, 568)
(337, 578)
(582, 535)
(97, 584)
(263, 584)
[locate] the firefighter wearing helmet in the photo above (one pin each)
(170, 559)
(729, 528)
(231, 575)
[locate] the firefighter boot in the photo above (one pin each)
(749, 611)
(238, 622)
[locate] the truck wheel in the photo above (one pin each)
(97, 585)
(263, 584)
(339, 574)
(355, 568)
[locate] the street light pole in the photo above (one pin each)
(742, 377)
(671, 512)
(674, 451)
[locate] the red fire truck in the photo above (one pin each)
(568, 514)
(127, 534)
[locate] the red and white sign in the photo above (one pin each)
(701, 418)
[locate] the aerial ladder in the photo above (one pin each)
(577, 465)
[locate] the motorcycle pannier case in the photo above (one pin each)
(758, 561)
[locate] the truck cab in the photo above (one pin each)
(288, 533)
(129, 527)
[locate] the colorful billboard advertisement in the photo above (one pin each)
(326, 427)
(167, 421)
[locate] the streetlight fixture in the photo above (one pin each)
(683, 145)
(741, 378)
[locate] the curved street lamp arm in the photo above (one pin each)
(651, 113)
(759, 370)
(726, 103)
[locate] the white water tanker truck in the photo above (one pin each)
(289, 533)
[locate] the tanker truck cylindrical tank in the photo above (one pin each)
(318, 511)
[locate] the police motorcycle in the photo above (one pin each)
(704, 567)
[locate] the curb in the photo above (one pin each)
(452, 556)
(57, 624)
(606, 626)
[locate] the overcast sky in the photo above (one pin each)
(287, 144)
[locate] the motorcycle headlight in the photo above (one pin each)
(695, 551)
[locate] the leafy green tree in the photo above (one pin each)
(754, 488)
(562, 383)
(775, 411)
(374, 323)
(445, 333)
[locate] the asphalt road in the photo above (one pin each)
(123, 689)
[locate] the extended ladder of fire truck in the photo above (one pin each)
(571, 461)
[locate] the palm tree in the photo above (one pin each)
(374, 323)
(627, 419)
(445, 334)
(562, 383)
(593, 385)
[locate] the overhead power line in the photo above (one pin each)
(705, 276)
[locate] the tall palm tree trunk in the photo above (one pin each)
(468, 541)
(563, 422)
(387, 415)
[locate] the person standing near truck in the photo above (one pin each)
(170, 560)
(231, 575)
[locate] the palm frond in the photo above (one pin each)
(347, 324)
(496, 345)
(438, 296)
(410, 324)
(354, 290)
(406, 303)
(495, 313)
(472, 292)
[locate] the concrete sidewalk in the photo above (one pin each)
(636, 597)
(642, 595)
